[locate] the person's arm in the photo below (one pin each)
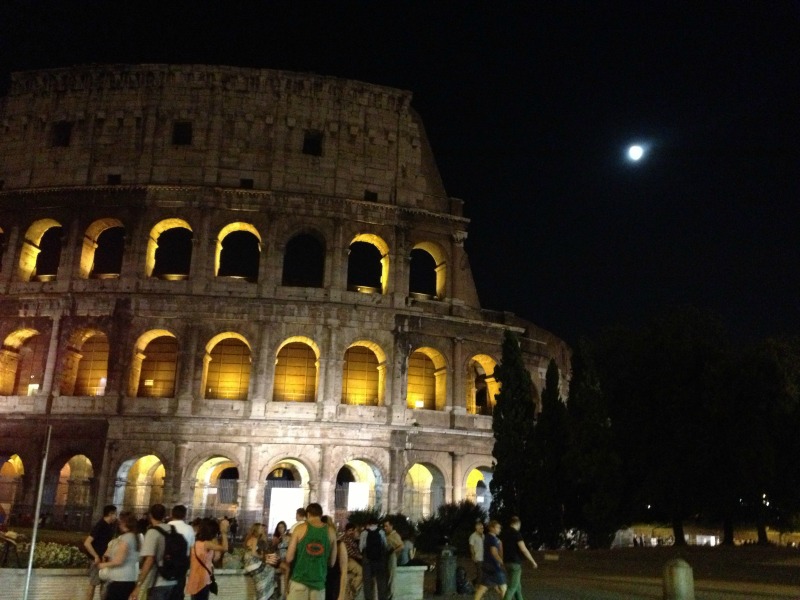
(334, 546)
(297, 534)
(342, 549)
(397, 548)
(87, 543)
(120, 554)
(223, 531)
(472, 551)
(144, 571)
(524, 551)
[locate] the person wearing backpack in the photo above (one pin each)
(164, 557)
(375, 561)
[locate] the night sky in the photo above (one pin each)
(529, 108)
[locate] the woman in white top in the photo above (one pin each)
(123, 566)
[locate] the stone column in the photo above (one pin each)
(396, 475)
(457, 254)
(250, 500)
(9, 255)
(324, 490)
(338, 252)
(52, 355)
(186, 385)
(457, 477)
(263, 375)
(106, 481)
(458, 394)
(178, 494)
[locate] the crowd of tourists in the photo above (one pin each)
(498, 561)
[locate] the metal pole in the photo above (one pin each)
(36, 513)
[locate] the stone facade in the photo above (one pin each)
(288, 303)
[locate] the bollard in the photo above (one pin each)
(678, 580)
(446, 571)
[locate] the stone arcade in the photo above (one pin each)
(221, 281)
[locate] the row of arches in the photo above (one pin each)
(237, 254)
(217, 488)
(227, 370)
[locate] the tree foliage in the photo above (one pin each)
(451, 522)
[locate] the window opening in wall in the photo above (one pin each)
(174, 254)
(61, 134)
(364, 268)
(422, 275)
(30, 366)
(360, 377)
(312, 143)
(114, 179)
(108, 254)
(303, 262)
(182, 133)
(296, 374)
(421, 382)
(90, 378)
(246, 184)
(2, 183)
(239, 256)
(370, 196)
(49, 255)
(228, 375)
(157, 376)
(228, 486)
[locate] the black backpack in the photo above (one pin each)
(374, 550)
(175, 563)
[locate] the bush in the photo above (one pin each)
(49, 555)
(453, 523)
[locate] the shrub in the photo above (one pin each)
(49, 555)
(453, 523)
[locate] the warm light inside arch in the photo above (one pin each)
(90, 244)
(440, 258)
(427, 380)
(152, 241)
(383, 248)
(223, 233)
(30, 246)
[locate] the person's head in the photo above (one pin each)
(178, 512)
(349, 528)
(280, 529)
(300, 515)
(127, 522)
(515, 523)
(256, 530)
(313, 510)
(387, 526)
(479, 526)
(157, 513)
(110, 513)
(208, 530)
(493, 527)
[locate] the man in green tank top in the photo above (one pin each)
(311, 550)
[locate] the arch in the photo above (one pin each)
(11, 472)
(216, 489)
(476, 487)
(226, 367)
(427, 380)
(364, 374)
(41, 251)
(428, 271)
(423, 491)
(171, 257)
(72, 504)
(237, 252)
(286, 488)
(22, 363)
(139, 483)
(101, 253)
(481, 386)
(368, 264)
(304, 261)
(359, 485)
(296, 371)
(85, 368)
(154, 365)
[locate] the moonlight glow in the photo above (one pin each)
(635, 152)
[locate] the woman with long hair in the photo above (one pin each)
(260, 562)
(198, 583)
(123, 565)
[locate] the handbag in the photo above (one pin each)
(212, 587)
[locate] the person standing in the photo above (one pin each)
(96, 544)
(198, 584)
(355, 573)
(476, 550)
(494, 574)
(152, 554)
(514, 550)
(178, 520)
(123, 565)
(394, 543)
(311, 551)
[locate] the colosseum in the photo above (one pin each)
(239, 290)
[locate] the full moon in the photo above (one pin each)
(635, 152)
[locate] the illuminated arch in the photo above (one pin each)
(153, 376)
(383, 249)
(216, 488)
(22, 362)
(427, 380)
(85, 368)
(481, 386)
(423, 491)
(304, 260)
(31, 247)
(364, 374)
(152, 242)
(296, 371)
(139, 484)
(219, 253)
(226, 367)
(286, 486)
(477, 487)
(73, 492)
(438, 274)
(91, 244)
(11, 472)
(359, 486)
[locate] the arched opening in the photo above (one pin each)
(216, 490)
(227, 368)
(477, 487)
(481, 386)
(428, 271)
(427, 380)
(364, 375)
(154, 365)
(304, 262)
(359, 486)
(139, 484)
(103, 246)
(22, 363)
(296, 372)
(41, 251)
(285, 490)
(423, 492)
(368, 265)
(11, 473)
(85, 368)
(169, 250)
(238, 252)
(72, 505)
